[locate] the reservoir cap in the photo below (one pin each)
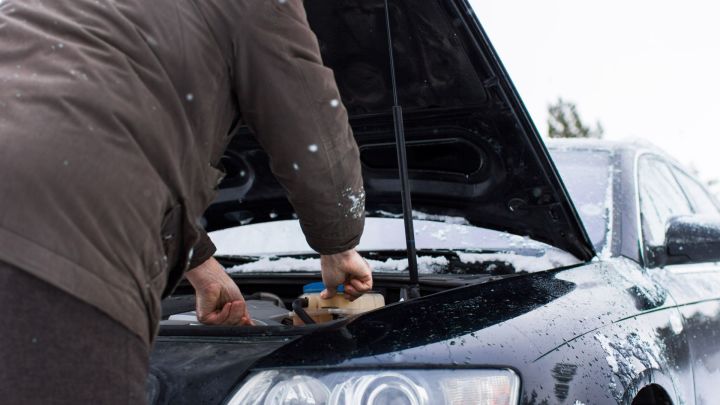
(318, 286)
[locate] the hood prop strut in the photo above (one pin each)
(414, 287)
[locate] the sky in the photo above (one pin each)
(644, 69)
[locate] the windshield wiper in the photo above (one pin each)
(231, 260)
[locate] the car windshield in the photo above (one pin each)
(446, 245)
(587, 175)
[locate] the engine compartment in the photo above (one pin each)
(270, 299)
(272, 285)
(271, 304)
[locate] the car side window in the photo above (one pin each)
(660, 198)
(701, 201)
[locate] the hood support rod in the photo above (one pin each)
(414, 288)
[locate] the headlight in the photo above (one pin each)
(379, 387)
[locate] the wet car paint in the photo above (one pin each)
(572, 335)
(202, 370)
(594, 333)
(575, 334)
(696, 289)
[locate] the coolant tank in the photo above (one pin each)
(321, 310)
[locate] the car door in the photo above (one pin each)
(694, 287)
(700, 301)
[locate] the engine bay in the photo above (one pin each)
(264, 313)
(270, 299)
(278, 304)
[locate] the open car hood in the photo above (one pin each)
(473, 151)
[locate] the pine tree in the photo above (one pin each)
(714, 187)
(564, 122)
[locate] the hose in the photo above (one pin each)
(278, 301)
(266, 296)
(299, 307)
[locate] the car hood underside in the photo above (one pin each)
(472, 149)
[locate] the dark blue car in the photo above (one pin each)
(584, 272)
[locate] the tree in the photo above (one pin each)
(714, 187)
(564, 122)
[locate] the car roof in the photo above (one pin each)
(631, 146)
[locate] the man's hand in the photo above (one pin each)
(218, 298)
(347, 268)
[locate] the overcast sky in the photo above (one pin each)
(644, 69)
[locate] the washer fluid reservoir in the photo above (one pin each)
(325, 310)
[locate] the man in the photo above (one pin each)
(113, 118)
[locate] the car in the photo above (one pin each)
(578, 272)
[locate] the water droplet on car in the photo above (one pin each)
(313, 148)
(189, 97)
(295, 166)
(334, 103)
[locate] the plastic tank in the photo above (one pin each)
(325, 310)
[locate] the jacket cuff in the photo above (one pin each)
(336, 244)
(203, 250)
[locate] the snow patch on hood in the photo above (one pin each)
(426, 264)
(284, 238)
(425, 217)
(548, 260)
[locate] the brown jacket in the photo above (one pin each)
(114, 115)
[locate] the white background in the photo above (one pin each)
(645, 69)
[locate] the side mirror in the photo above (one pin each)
(693, 239)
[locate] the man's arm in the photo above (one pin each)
(218, 298)
(291, 102)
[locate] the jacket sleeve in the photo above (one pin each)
(292, 104)
(203, 250)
